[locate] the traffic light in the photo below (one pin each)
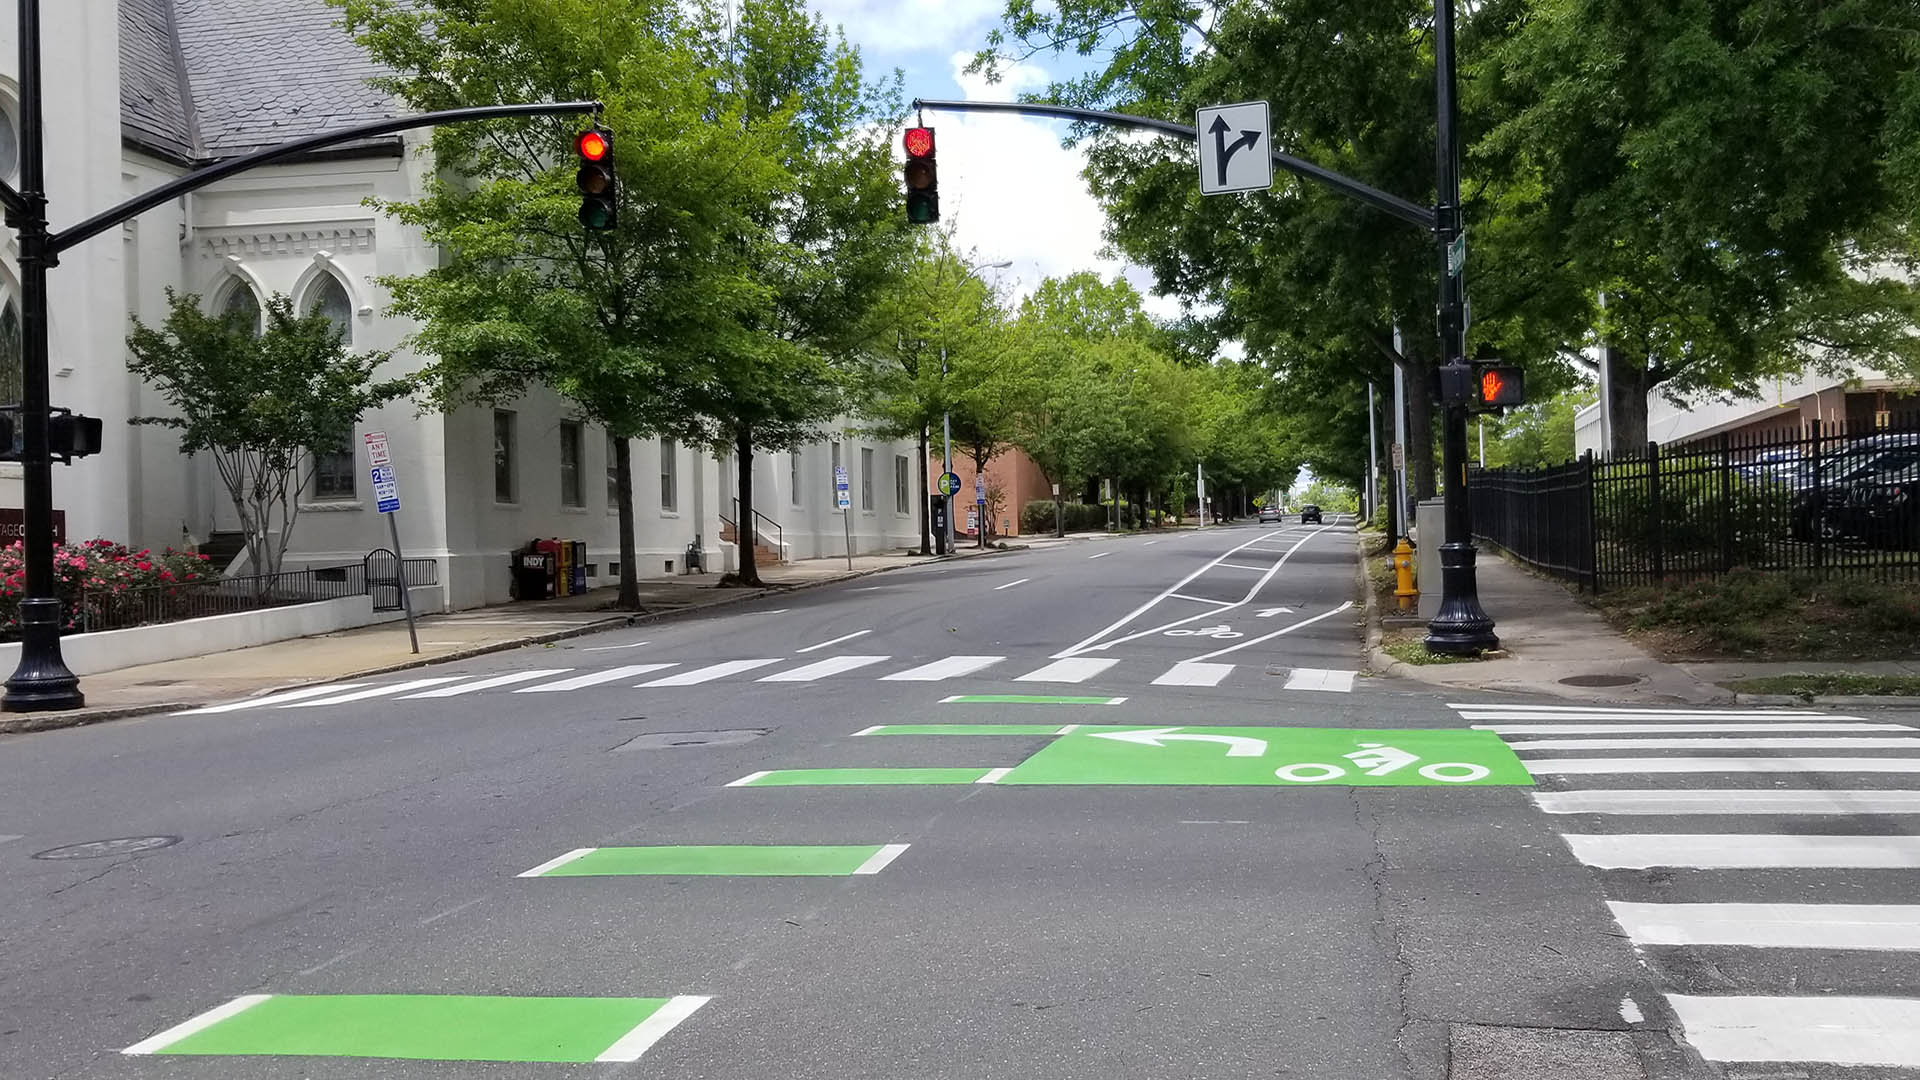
(599, 191)
(1498, 386)
(923, 180)
(70, 435)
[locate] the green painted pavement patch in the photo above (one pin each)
(738, 860)
(813, 777)
(1027, 699)
(964, 729)
(432, 1027)
(1274, 757)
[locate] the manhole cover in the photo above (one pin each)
(100, 849)
(669, 740)
(1600, 680)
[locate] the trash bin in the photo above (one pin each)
(532, 575)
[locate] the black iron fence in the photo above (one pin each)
(120, 609)
(1823, 501)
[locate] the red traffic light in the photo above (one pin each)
(592, 145)
(919, 142)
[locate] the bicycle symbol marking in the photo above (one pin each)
(1377, 759)
(1222, 632)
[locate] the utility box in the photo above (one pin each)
(1430, 524)
(532, 575)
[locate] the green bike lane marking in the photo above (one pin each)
(428, 1027)
(1207, 757)
(1027, 699)
(723, 860)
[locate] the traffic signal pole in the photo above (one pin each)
(42, 681)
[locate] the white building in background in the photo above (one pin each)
(148, 90)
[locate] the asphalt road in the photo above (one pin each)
(1082, 751)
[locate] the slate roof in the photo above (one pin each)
(208, 79)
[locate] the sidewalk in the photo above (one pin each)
(373, 650)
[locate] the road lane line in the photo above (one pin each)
(1163, 627)
(630, 1046)
(487, 684)
(711, 672)
(951, 667)
(1150, 543)
(993, 776)
(835, 641)
(1101, 555)
(1200, 600)
(1468, 706)
(1011, 584)
(1243, 566)
(1773, 926)
(1192, 673)
(870, 730)
(1834, 1030)
(205, 1020)
(1597, 766)
(592, 678)
(748, 779)
(1067, 729)
(1744, 851)
(833, 665)
(274, 699)
(1336, 682)
(1076, 670)
(610, 648)
(1801, 743)
(558, 861)
(1672, 729)
(1277, 633)
(376, 691)
(1678, 801)
(879, 860)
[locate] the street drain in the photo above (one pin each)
(100, 849)
(1600, 680)
(674, 740)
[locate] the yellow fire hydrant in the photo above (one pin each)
(1403, 573)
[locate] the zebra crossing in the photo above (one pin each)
(671, 674)
(1768, 897)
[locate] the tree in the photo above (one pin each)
(1538, 433)
(258, 403)
(525, 297)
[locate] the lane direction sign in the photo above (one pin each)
(1268, 613)
(1236, 148)
(1237, 745)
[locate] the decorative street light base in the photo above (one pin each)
(1460, 628)
(42, 681)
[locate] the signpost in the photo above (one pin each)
(844, 499)
(980, 504)
(1235, 148)
(386, 496)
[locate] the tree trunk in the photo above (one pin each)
(623, 497)
(1627, 387)
(926, 500)
(1420, 422)
(743, 528)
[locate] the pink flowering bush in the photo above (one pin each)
(102, 583)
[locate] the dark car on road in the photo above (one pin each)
(1309, 515)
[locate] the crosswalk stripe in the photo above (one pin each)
(1339, 682)
(1593, 766)
(273, 699)
(592, 678)
(1194, 673)
(711, 672)
(1815, 742)
(1607, 710)
(1073, 670)
(488, 684)
(821, 669)
(1778, 926)
(1835, 1030)
(1729, 801)
(1653, 729)
(375, 691)
(951, 667)
(1742, 851)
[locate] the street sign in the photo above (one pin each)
(1399, 455)
(949, 483)
(980, 489)
(1457, 255)
(386, 487)
(973, 519)
(1236, 149)
(840, 494)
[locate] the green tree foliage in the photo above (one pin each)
(1538, 433)
(258, 403)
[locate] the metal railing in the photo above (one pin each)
(760, 523)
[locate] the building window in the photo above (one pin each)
(613, 471)
(900, 496)
(504, 488)
(12, 371)
(242, 306)
(793, 474)
(669, 476)
(571, 490)
(333, 469)
(866, 478)
(328, 298)
(9, 143)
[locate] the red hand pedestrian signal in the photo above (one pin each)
(1499, 386)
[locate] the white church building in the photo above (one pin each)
(141, 91)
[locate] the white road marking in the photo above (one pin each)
(452, 911)
(1604, 710)
(1277, 633)
(836, 641)
(1011, 584)
(274, 699)
(196, 1025)
(1101, 555)
(1243, 566)
(1268, 613)
(833, 665)
(376, 691)
(1065, 729)
(1773, 926)
(1150, 543)
(558, 861)
(711, 672)
(9, 838)
(610, 648)
(1814, 742)
(1715, 851)
(1190, 673)
(1339, 682)
(1730, 801)
(487, 684)
(1075, 670)
(867, 730)
(1656, 729)
(1630, 1011)
(994, 776)
(1835, 1030)
(1200, 600)
(951, 667)
(1603, 765)
(748, 779)
(630, 1046)
(878, 860)
(592, 678)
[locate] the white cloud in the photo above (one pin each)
(892, 26)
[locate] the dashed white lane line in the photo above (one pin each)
(205, 1020)
(1773, 926)
(1075, 670)
(1641, 851)
(487, 684)
(1337, 682)
(1192, 673)
(1101, 555)
(1813, 742)
(1011, 584)
(592, 678)
(1201, 600)
(376, 691)
(1602, 710)
(1606, 765)
(835, 641)
(610, 648)
(748, 779)
(878, 860)
(711, 672)
(630, 1046)
(949, 668)
(1672, 729)
(833, 665)
(1881, 1031)
(1672, 801)
(274, 699)
(558, 861)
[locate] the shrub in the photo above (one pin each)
(97, 580)
(1037, 517)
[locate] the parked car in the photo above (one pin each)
(1882, 504)
(1309, 515)
(1270, 513)
(1850, 481)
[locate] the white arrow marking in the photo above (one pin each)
(1237, 745)
(1269, 613)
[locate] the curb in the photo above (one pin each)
(23, 723)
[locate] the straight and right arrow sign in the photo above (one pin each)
(1236, 148)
